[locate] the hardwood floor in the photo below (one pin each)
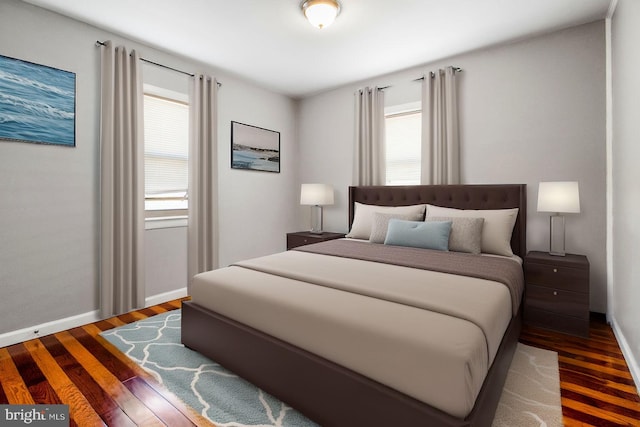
(596, 385)
(103, 387)
(100, 384)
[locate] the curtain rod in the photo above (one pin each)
(456, 69)
(432, 74)
(99, 43)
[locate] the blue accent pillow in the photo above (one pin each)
(419, 234)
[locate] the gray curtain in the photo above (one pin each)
(440, 141)
(203, 176)
(121, 182)
(369, 156)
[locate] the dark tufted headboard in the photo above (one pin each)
(452, 196)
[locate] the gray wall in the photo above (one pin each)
(530, 111)
(49, 195)
(625, 178)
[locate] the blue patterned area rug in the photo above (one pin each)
(531, 396)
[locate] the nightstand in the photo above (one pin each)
(557, 292)
(302, 238)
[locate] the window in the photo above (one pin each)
(403, 144)
(166, 148)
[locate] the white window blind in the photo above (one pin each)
(166, 150)
(402, 146)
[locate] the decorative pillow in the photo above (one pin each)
(497, 228)
(363, 217)
(419, 234)
(466, 233)
(380, 224)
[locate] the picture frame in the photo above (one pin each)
(37, 103)
(254, 148)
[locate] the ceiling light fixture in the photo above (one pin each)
(321, 13)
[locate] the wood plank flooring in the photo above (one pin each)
(596, 385)
(103, 387)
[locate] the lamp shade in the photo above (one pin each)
(316, 194)
(561, 197)
(321, 13)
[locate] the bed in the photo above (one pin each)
(303, 342)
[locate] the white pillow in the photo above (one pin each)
(363, 217)
(497, 228)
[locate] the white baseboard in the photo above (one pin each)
(167, 296)
(629, 357)
(48, 328)
(55, 326)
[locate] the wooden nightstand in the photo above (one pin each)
(557, 292)
(301, 238)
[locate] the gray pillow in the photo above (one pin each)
(466, 233)
(380, 223)
(363, 217)
(496, 229)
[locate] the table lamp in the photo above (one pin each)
(558, 197)
(316, 195)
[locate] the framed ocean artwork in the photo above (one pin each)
(254, 148)
(37, 103)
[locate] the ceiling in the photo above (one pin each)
(270, 43)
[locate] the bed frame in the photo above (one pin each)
(330, 394)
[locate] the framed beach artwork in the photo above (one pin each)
(37, 103)
(254, 148)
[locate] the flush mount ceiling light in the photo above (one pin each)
(321, 13)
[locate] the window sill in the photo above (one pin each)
(165, 222)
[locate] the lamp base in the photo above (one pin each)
(316, 219)
(556, 235)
